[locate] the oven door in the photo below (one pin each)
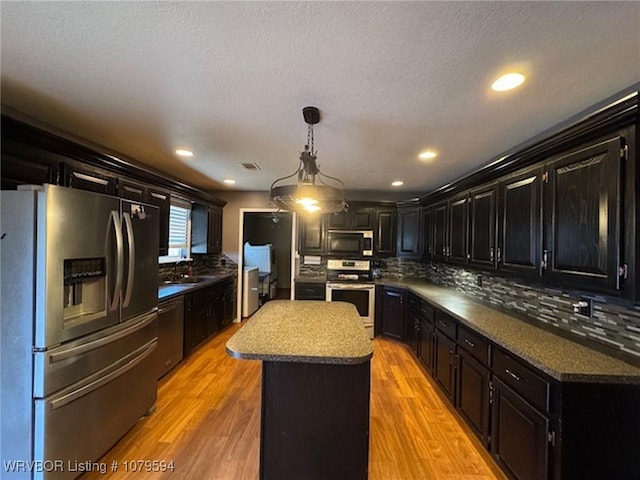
(360, 295)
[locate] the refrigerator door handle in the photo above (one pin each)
(117, 227)
(141, 353)
(132, 258)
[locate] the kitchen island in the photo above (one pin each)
(315, 388)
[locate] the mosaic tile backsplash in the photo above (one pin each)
(217, 263)
(614, 324)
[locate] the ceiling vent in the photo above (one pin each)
(251, 166)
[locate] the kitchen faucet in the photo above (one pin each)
(188, 269)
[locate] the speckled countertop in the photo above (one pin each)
(170, 290)
(303, 331)
(557, 356)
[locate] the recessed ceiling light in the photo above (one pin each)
(183, 152)
(428, 155)
(507, 82)
(397, 183)
(229, 181)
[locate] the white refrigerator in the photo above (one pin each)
(250, 300)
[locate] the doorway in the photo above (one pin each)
(262, 226)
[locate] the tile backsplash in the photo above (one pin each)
(217, 263)
(614, 325)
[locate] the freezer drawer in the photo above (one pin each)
(72, 425)
(73, 361)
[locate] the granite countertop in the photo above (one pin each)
(170, 290)
(311, 279)
(557, 356)
(304, 331)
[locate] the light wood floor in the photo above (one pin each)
(207, 422)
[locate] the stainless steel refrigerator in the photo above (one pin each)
(79, 323)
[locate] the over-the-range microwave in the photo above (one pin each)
(350, 243)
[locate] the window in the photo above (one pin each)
(179, 231)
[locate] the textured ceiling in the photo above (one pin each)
(229, 80)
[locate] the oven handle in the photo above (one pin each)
(347, 286)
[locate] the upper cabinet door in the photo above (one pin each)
(459, 229)
(519, 224)
(363, 219)
(440, 231)
(427, 233)
(162, 200)
(357, 218)
(482, 233)
(311, 234)
(384, 241)
(582, 217)
(408, 232)
(338, 220)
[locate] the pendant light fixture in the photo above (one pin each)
(307, 189)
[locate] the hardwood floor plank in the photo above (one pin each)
(207, 420)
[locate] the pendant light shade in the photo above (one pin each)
(307, 190)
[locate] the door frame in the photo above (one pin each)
(294, 249)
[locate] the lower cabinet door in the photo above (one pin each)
(472, 396)
(518, 435)
(426, 344)
(444, 367)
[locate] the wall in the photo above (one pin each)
(231, 214)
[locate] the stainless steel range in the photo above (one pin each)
(350, 281)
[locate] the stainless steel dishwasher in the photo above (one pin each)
(170, 335)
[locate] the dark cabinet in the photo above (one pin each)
(393, 312)
(408, 242)
(519, 438)
(356, 218)
(444, 368)
(162, 200)
(206, 229)
(426, 236)
(228, 310)
(195, 326)
(384, 240)
(440, 231)
(425, 350)
(459, 229)
(583, 217)
(311, 234)
(472, 394)
(520, 224)
(483, 226)
(426, 316)
(30, 170)
(206, 312)
(85, 178)
(412, 324)
(131, 190)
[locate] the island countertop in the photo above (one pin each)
(303, 331)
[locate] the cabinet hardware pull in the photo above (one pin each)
(471, 344)
(512, 374)
(551, 438)
(442, 324)
(393, 294)
(544, 259)
(499, 252)
(491, 254)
